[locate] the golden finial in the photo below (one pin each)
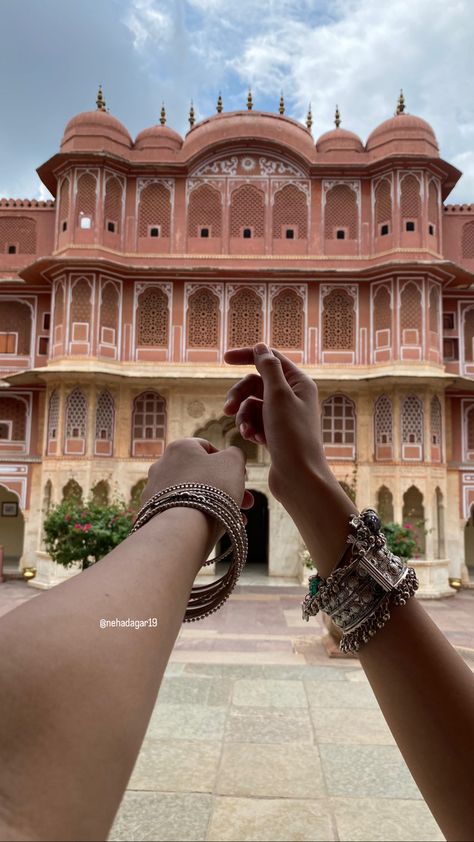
(309, 118)
(281, 107)
(163, 114)
(100, 101)
(191, 117)
(219, 105)
(401, 103)
(337, 118)
(249, 100)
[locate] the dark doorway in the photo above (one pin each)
(257, 532)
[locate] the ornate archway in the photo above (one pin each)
(12, 529)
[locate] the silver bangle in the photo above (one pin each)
(204, 599)
(357, 596)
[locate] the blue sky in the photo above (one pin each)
(357, 53)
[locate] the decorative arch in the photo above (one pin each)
(410, 201)
(154, 210)
(383, 428)
(247, 211)
(468, 330)
(109, 319)
(86, 200)
(53, 424)
(382, 323)
(244, 319)
(203, 319)
(64, 204)
(467, 241)
(12, 528)
(338, 424)
(469, 427)
(383, 206)
(18, 233)
(341, 212)
(338, 333)
(136, 494)
(411, 316)
(434, 311)
(81, 313)
(100, 493)
(152, 318)
(72, 491)
(287, 319)
(439, 520)
(148, 424)
(14, 423)
(435, 429)
(76, 423)
(104, 424)
(385, 504)
(413, 513)
(412, 429)
(58, 317)
(205, 211)
(113, 205)
(16, 327)
(433, 205)
(290, 211)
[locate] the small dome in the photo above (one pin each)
(159, 137)
(408, 133)
(339, 140)
(89, 130)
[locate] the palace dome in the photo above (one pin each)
(403, 133)
(339, 140)
(95, 130)
(256, 127)
(159, 137)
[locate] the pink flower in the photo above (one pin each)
(407, 526)
(77, 526)
(86, 527)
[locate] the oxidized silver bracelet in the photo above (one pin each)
(205, 599)
(357, 595)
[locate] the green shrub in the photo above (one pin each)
(85, 532)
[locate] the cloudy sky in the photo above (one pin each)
(357, 53)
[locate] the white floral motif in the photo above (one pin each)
(278, 168)
(222, 167)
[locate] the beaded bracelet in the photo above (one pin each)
(357, 595)
(205, 599)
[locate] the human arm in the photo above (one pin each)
(75, 699)
(425, 690)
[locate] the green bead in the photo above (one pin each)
(314, 584)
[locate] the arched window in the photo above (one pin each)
(153, 318)
(434, 310)
(104, 424)
(439, 542)
(338, 420)
(469, 335)
(72, 491)
(287, 320)
(203, 319)
(245, 319)
(410, 314)
(13, 416)
(433, 205)
(64, 204)
(53, 416)
(154, 211)
(113, 205)
(58, 312)
(413, 513)
(247, 211)
(412, 428)
(17, 235)
(435, 428)
(100, 493)
(15, 328)
(81, 311)
(385, 504)
(383, 421)
(383, 207)
(410, 202)
(109, 314)
(290, 213)
(467, 241)
(148, 424)
(338, 321)
(76, 415)
(470, 429)
(86, 200)
(382, 315)
(205, 211)
(340, 213)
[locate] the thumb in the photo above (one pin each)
(270, 369)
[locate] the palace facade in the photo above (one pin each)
(119, 297)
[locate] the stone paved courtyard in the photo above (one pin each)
(257, 735)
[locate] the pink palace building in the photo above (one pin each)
(119, 297)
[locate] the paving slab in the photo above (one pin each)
(153, 816)
(384, 820)
(278, 820)
(284, 771)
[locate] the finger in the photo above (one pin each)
(250, 417)
(206, 445)
(270, 368)
(252, 384)
(298, 381)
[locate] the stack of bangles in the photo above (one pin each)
(357, 595)
(205, 599)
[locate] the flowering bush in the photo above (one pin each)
(85, 532)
